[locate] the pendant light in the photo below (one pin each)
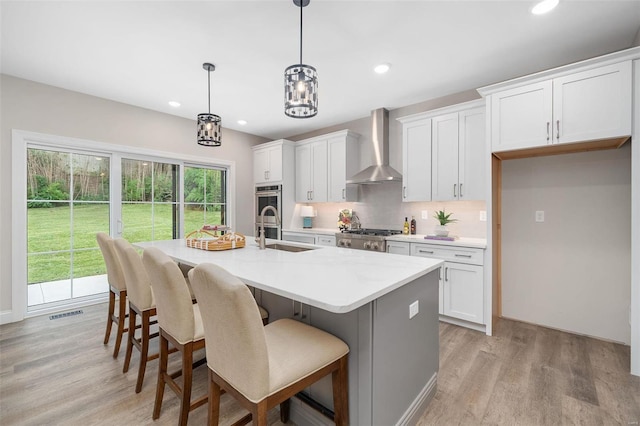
(209, 125)
(300, 83)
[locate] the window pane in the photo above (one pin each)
(164, 182)
(87, 263)
(205, 197)
(193, 218)
(136, 180)
(163, 220)
(137, 221)
(49, 229)
(90, 178)
(47, 177)
(49, 267)
(88, 220)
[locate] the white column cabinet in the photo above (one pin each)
(267, 162)
(416, 159)
(311, 172)
(580, 106)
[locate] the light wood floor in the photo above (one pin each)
(58, 372)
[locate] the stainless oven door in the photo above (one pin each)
(270, 231)
(268, 196)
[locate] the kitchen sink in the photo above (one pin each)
(285, 247)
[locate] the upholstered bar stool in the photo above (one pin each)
(262, 366)
(117, 287)
(180, 324)
(141, 303)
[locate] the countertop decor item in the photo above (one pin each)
(307, 212)
(344, 219)
(300, 83)
(204, 240)
(443, 218)
(209, 125)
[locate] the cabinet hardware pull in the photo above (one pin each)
(460, 190)
(558, 130)
(425, 251)
(344, 193)
(404, 192)
(548, 132)
(463, 255)
(446, 275)
(311, 192)
(454, 189)
(293, 308)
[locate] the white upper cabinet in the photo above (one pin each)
(311, 172)
(268, 161)
(344, 162)
(581, 106)
(472, 154)
(444, 163)
(416, 159)
(323, 164)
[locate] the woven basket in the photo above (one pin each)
(204, 240)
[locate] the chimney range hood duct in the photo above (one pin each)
(381, 171)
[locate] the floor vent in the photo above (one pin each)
(66, 314)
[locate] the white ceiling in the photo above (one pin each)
(147, 53)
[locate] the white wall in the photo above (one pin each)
(30, 106)
(572, 271)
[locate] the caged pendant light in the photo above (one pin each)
(300, 83)
(209, 125)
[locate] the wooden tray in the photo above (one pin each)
(204, 240)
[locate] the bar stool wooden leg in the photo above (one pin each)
(122, 303)
(214, 402)
(187, 375)
(144, 348)
(112, 305)
(340, 383)
(162, 372)
(130, 338)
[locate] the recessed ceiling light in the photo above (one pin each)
(382, 68)
(242, 122)
(174, 104)
(544, 6)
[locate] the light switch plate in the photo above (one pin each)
(539, 215)
(425, 214)
(414, 308)
(483, 215)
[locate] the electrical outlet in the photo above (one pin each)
(483, 215)
(425, 214)
(539, 215)
(414, 308)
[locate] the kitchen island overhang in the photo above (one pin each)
(363, 298)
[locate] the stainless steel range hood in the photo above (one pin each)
(381, 171)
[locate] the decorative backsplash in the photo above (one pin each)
(381, 206)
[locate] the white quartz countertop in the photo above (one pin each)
(334, 279)
(315, 231)
(460, 242)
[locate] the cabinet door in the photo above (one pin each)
(303, 173)
(275, 164)
(398, 247)
(463, 293)
(319, 171)
(593, 104)
(416, 161)
(337, 150)
(326, 240)
(444, 163)
(521, 117)
(260, 165)
(472, 154)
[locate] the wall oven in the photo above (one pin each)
(270, 195)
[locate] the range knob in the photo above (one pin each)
(367, 245)
(375, 246)
(348, 243)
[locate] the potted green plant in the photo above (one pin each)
(443, 218)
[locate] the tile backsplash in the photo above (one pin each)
(381, 206)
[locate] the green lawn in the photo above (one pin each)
(50, 238)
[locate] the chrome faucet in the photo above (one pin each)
(260, 239)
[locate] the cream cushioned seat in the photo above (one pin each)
(262, 366)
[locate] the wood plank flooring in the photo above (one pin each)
(58, 372)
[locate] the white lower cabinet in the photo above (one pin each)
(326, 240)
(309, 238)
(396, 247)
(461, 280)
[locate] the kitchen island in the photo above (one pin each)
(362, 297)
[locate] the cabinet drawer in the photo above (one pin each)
(299, 238)
(452, 254)
(326, 240)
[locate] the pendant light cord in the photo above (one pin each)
(301, 1)
(209, 88)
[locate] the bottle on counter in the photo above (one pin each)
(405, 229)
(413, 225)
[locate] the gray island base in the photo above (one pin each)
(364, 298)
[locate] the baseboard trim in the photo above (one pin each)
(303, 415)
(419, 405)
(6, 317)
(463, 323)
